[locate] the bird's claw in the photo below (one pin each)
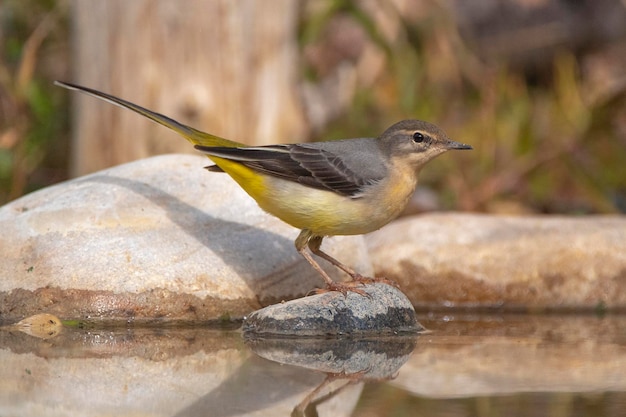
(344, 288)
(357, 280)
(367, 280)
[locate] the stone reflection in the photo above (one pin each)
(345, 362)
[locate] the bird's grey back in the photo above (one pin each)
(362, 156)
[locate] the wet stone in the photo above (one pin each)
(385, 310)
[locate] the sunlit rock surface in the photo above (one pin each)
(528, 263)
(159, 238)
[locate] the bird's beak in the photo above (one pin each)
(456, 145)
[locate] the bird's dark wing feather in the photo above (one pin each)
(327, 169)
(309, 165)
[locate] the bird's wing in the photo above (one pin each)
(306, 164)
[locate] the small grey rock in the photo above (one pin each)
(385, 310)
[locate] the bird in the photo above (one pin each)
(329, 188)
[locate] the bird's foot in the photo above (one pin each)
(344, 288)
(358, 278)
(353, 285)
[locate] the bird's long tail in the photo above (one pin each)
(192, 135)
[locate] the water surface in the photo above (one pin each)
(482, 365)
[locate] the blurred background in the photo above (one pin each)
(537, 87)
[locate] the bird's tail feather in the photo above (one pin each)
(192, 135)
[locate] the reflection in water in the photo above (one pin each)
(308, 406)
(371, 358)
(344, 359)
(525, 365)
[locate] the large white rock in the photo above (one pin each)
(530, 263)
(156, 238)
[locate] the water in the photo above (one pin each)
(467, 365)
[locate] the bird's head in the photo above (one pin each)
(416, 142)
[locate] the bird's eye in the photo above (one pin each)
(418, 137)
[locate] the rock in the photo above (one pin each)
(384, 311)
(156, 239)
(527, 263)
(43, 326)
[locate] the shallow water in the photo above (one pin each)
(483, 365)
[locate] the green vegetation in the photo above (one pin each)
(548, 146)
(554, 144)
(33, 132)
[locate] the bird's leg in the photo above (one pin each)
(315, 243)
(303, 241)
(301, 247)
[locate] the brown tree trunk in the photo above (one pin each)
(222, 66)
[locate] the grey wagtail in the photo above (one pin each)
(341, 187)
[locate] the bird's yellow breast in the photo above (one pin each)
(324, 212)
